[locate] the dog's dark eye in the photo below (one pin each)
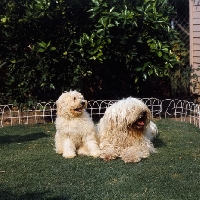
(74, 98)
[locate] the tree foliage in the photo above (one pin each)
(104, 48)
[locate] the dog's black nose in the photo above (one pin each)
(144, 113)
(83, 103)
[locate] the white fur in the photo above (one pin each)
(152, 131)
(119, 134)
(75, 130)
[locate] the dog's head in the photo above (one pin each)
(71, 104)
(129, 114)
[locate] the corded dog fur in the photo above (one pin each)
(125, 131)
(75, 130)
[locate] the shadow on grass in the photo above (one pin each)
(18, 138)
(40, 195)
(158, 142)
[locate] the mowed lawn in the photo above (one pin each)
(30, 168)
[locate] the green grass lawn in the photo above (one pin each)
(30, 168)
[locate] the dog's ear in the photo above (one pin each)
(86, 104)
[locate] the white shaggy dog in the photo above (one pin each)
(75, 130)
(122, 131)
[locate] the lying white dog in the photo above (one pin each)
(75, 130)
(125, 131)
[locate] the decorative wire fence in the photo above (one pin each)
(181, 110)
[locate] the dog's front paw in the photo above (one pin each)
(59, 152)
(131, 159)
(129, 155)
(69, 155)
(95, 154)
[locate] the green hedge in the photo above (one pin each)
(103, 48)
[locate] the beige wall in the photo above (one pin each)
(195, 37)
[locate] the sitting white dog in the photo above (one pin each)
(125, 131)
(75, 130)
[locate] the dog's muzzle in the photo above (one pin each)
(83, 105)
(140, 122)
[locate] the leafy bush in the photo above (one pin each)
(104, 48)
(132, 40)
(35, 37)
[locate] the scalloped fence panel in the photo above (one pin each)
(45, 112)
